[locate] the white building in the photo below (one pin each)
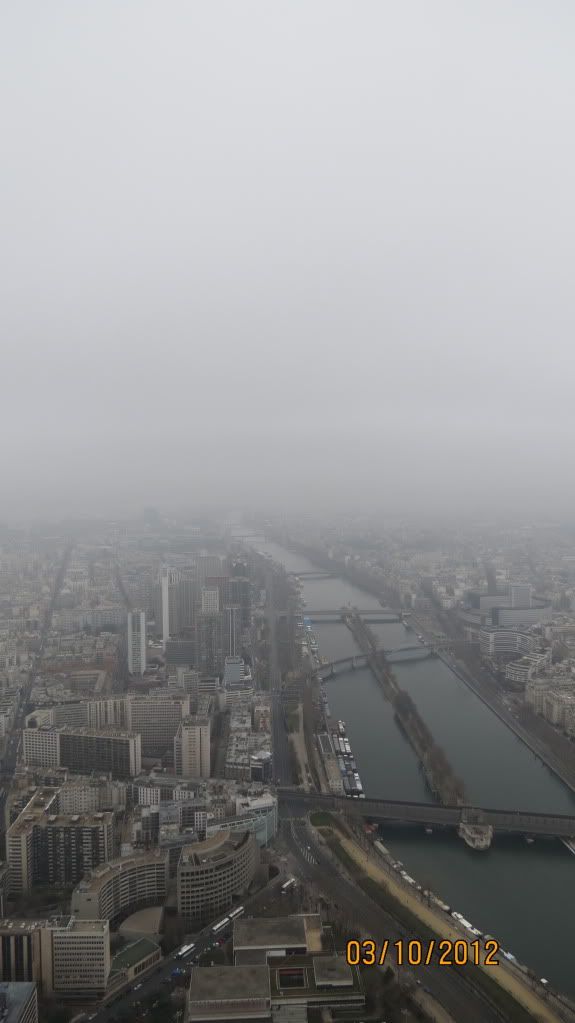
(136, 642)
(165, 597)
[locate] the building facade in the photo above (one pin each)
(121, 887)
(213, 873)
(136, 642)
(192, 748)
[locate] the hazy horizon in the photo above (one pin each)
(312, 256)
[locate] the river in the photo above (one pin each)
(523, 894)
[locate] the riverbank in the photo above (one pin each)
(526, 738)
(512, 985)
(521, 892)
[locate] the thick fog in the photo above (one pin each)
(307, 254)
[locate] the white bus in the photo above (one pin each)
(220, 925)
(236, 912)
(285, 888)
(184, 951)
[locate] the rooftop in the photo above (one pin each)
(332, 971)
(133, 954)
(225, 983)
(101, 875)
(216, 847)
(272, 932)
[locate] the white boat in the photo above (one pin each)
(476, 836)
(569, 844)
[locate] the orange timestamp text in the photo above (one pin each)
(422, 953)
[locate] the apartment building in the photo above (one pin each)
(84, 749)
(192, 748)
(212, 873)
(122, 886)
(45, 847)
(65, 957)
(75, 958)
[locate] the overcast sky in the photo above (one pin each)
(301, 252)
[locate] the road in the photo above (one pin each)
(160, 979)
(314, 865)
(281, 749)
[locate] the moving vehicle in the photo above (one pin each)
(184, 951)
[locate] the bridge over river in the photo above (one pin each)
(400, 655)
(369, 615)
(431, 814)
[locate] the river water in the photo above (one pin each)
(523, 894)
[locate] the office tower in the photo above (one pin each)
(232, 619)
(241, 594)
(136, 642)
(66, 957)
(210, 643)
(156, 719)
(174, 600)
(192, 748)
(76, 957)
(165, 604)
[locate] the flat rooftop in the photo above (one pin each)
(332, 971)
(319, 978)
(218, 847)
(100, 875)
(133, 954)
(225, 983)
(270, 932)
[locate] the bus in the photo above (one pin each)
(220, 925)
(236, 912)
(184, 951)
(285, 888)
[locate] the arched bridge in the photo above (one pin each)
(410, 652)
(510, 821)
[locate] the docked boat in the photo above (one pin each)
(476, 836)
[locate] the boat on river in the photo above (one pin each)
(476, 836)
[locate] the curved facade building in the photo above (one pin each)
(122, 886)
(212, 873)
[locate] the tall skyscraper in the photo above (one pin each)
(232, 618)
(165, 590)
(136, 642)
